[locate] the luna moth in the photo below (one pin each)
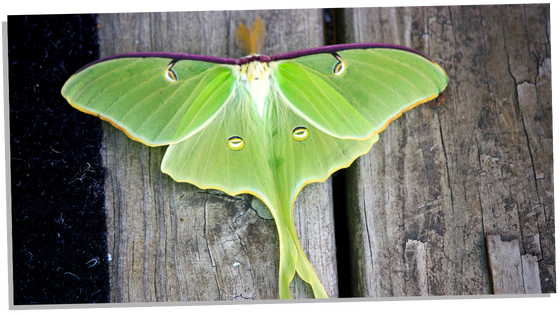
(262, 125)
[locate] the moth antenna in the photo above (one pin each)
(258, 34)
(242, 37)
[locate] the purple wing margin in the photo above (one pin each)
(335, 48)
(168, 55)
(261, 58)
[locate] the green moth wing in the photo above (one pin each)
(356, 93)
(272, 165)
(145, 98)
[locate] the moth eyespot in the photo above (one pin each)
(169, 74)
(300, 134)
(339, 67)
(235, 143)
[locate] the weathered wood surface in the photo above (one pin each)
(439, 181)
(174, 242)
(420, 204)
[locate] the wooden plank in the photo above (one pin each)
(511, 272)
(450, 176)
(531, 279)
(505, 264)
(536, 105)
(174, 242)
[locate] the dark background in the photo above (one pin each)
(58, 220)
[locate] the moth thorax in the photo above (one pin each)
(256, 73)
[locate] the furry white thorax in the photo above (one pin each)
(256, 77)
